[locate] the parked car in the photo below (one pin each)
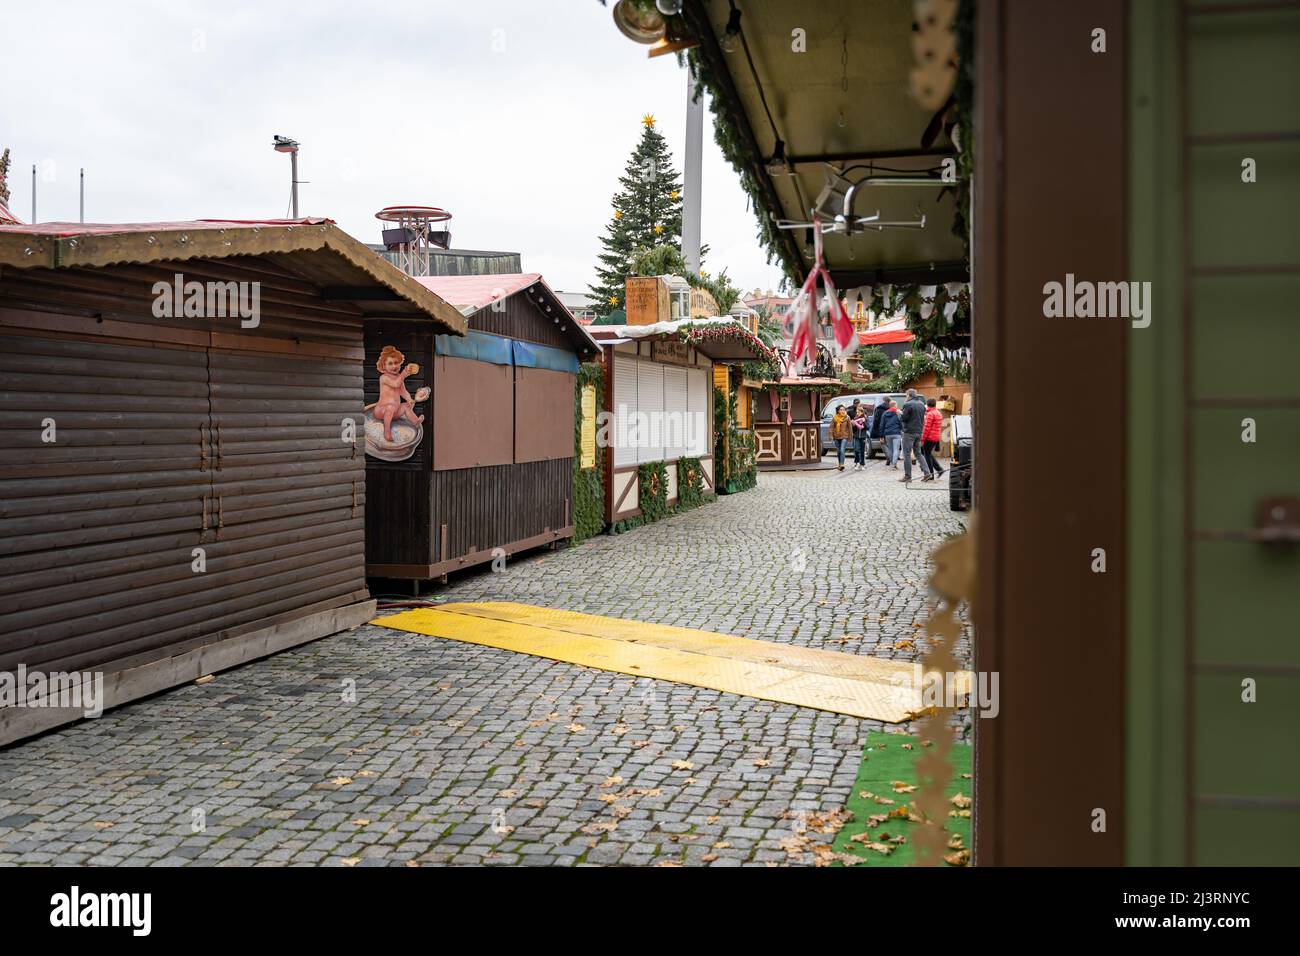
(869, 399)
(959, 473)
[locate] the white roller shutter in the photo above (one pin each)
(650, 399)
(625, 403)
(677, 420)
(700, 408)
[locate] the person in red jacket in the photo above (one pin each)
(930, 439)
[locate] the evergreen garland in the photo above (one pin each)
(690, 483)
(742, 469)
(652, 483)
(588, 483)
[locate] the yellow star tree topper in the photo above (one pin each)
(648, 119)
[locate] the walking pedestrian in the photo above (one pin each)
(877, 414)
(841, 432)
(891, 432)
(858, 418)
(930, 439)
(913, 416)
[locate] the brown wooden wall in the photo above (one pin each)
(172, 434)
(1049, 200)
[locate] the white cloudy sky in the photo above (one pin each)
(170, 106)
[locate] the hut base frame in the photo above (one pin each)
(136, 680)
(427, 572)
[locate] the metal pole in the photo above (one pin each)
(692, 178)
(33, 194)
(83, 193)
(293, 172)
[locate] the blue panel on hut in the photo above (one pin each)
(530, 355)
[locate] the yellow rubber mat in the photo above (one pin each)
(807, 677)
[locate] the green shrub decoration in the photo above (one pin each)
(690, 483)
(652, 481)
(588, 483)
(742, 469)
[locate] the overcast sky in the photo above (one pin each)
(516, 115)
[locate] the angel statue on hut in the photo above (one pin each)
(393, 428)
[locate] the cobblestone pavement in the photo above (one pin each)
(453, 753)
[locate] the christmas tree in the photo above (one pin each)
(647, 213)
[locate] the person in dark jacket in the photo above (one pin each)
(913, 416)
(881, 405)
(891, 432)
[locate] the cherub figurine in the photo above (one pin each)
(394, 400)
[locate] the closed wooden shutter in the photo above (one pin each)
(289, 492)
(701, 409)
(97, 527)
(625, 403)
(677, 419)
(650, 398)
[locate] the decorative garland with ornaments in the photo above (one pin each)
(696, 333)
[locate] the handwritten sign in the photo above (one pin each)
(674, 351)
(589, 426)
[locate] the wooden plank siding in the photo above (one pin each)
(172, 434)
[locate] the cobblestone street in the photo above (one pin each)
(454, 753)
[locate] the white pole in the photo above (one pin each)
(293, 173)
(694, 160)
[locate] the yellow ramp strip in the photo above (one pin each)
(744, 672)
(810, 659)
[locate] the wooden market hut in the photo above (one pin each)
(489, 472)
(664, 367)
(788, 417)
(181, 487)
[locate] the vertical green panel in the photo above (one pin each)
(1155, 766)
(1247, 749)
(1244, 68)
(1232, 475)
(1236, 223)
(1246, 331)
(1246, 836)
(1247, 604)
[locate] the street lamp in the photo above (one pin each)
(283, 144)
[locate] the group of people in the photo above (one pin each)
(910, 433)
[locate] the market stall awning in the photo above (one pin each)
(845, 101)
(886, 334)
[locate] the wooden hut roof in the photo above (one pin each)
(475, 292)
(345, 269)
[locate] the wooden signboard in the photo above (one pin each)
(588, 426)
(647, 300)
(673, 351)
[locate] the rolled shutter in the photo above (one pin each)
(700, 410)
(625, 403)
(289, 490)
(650, 395)
(678, 437)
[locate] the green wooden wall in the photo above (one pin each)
(1212, 779)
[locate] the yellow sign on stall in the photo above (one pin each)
(589, 426)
